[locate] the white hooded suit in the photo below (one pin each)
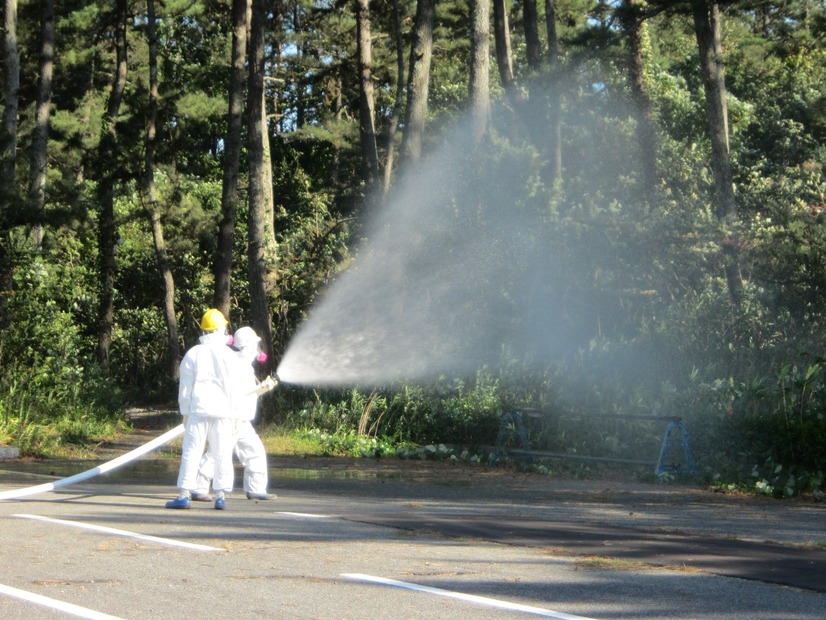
(248, 445)
(205, 398)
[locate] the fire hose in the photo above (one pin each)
(262, 388)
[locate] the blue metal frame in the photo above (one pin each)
(689, 467)
(512, 423)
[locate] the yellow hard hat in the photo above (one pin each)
(213, 320)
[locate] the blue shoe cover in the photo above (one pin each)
(178, 502)
(220, 503)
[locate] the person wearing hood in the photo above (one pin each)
(248, 445)
(205, 398)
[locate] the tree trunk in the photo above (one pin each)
(550, 32)
(480, 67)
(222, 269)
(554, 96)
(709, 42)
(108, 169)
(367, 127)
(11, 86)
(8, 144)
(419, 80)
(504, 54)
(297, 27)
(399, 103)
(533, 48)
(173, 350)
(637, 32)
(266, 183)
(257, 244)
(40, 135)
(714, 86)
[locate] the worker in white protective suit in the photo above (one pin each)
(248, 445)
(205, 398)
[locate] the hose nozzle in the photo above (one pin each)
(267, 385)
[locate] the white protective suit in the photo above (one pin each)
(248, 445)
(205, 397)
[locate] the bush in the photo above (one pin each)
(449, 412)
(51, 392)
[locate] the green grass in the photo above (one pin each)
(291, 443)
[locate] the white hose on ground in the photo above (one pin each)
(100, 469)
(262, 388)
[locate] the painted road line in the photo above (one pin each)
(109, 530)
(305, 515)
(471, 598)
(45, 601)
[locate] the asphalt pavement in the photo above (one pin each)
(355, 538)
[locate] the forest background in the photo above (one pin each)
(160, 158)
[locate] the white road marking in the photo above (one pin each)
(306, 515)
(69, 608)
(109, 530)
(471, 598)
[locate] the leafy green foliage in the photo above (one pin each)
(50, 394)
(637, 290)
(349, 443)
(451, 412)
(312, 238)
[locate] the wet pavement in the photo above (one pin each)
(608, 548)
